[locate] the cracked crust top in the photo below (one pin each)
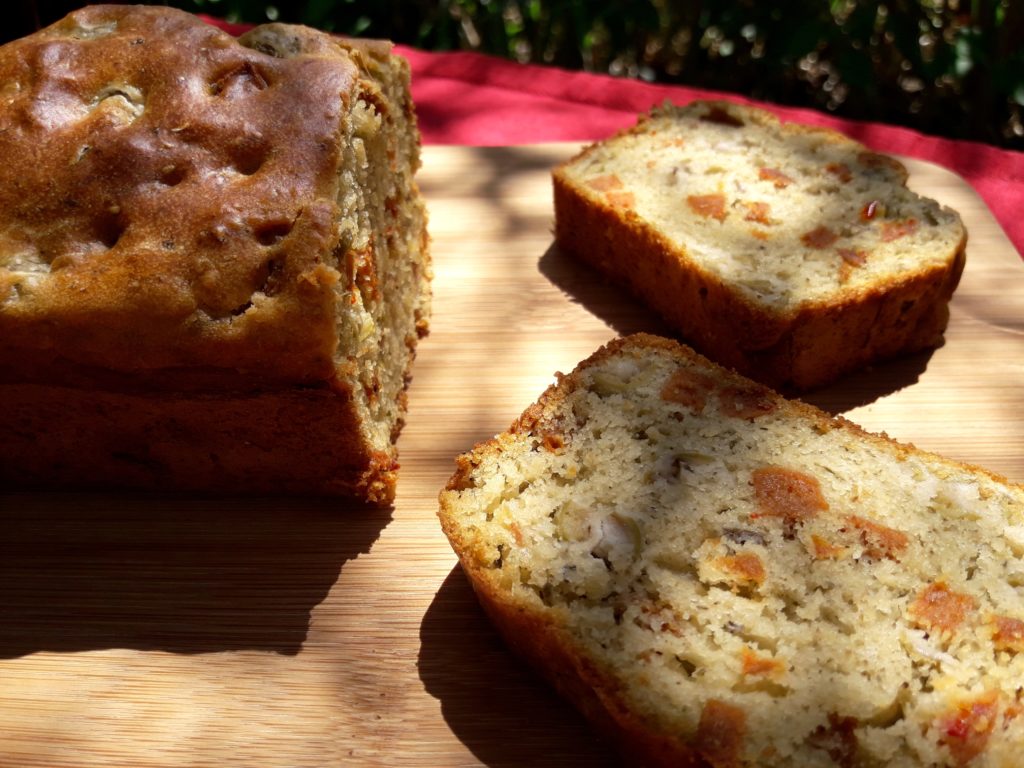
(168, 198)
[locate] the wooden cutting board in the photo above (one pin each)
(141, 630)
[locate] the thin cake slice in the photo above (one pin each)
(721, 577)
(787, 252)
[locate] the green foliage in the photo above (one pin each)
(948, 67)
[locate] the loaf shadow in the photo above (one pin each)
(612, 304)
(188, 575)
(869, 384)
(500, 710)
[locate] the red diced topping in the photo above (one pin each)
(758, 665)
(940, 608)
(966, 731)
(746, 566)
(823, 550)
(746, 402)
(774, 175)
(819, 237)
(689, 388)
(612, 185)
(605, 183)
(759, 212)
(787, 493)
(879, 540)
(870, 210)
(1008, 634)
(709, 206)
(842, 170)
(621, 199)
(894, 230)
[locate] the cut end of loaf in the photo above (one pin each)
(754, 581)
(382, 298)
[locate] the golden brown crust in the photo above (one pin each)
(170, 212)
(56, 436)
(194, 256)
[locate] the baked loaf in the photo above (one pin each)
(213, 256)
(721, 577)
(789, 253)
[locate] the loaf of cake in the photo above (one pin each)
(213, 257)
(718, 576)
(789, 253)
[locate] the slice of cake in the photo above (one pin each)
(720, 577)
(789, 253)
(213, 256)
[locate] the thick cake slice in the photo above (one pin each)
(720, 577)
(213, 256)
(789, 253)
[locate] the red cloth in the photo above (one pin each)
(469, 98)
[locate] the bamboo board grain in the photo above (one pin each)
(152, 631)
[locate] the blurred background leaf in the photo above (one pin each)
(945, 67)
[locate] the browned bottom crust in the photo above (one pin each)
(555, 655)
(808, 349)
(295, 441)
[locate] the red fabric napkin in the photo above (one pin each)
(469, 98)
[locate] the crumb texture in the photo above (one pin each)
(756, 582)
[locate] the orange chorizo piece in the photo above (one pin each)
(786, 493)
(939, 608)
